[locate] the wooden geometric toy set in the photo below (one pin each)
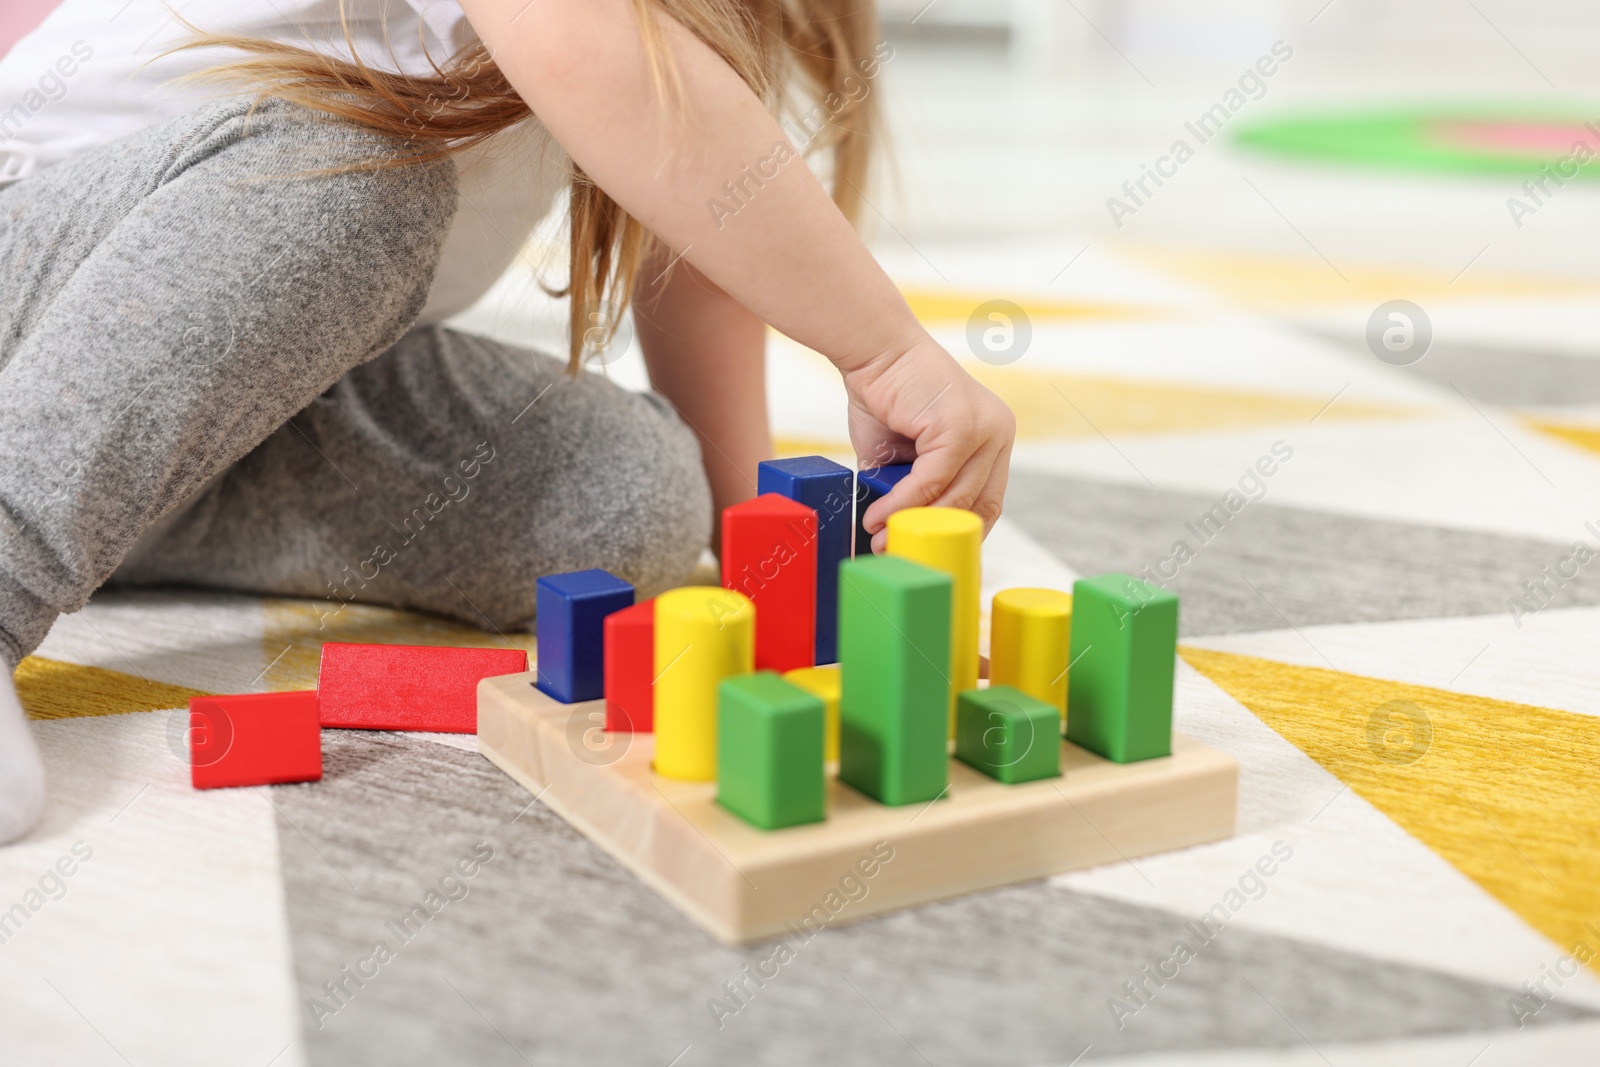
(810, 743)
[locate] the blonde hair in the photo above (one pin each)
(827, 48)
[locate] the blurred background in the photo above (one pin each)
(1023, 117)
(1379, 160)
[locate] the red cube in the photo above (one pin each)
(254, 739)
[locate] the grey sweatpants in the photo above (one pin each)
(209, 375)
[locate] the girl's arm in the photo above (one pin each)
(706, 353)
(788, 255)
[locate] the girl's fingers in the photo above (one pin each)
(972, 488)
(991, 497)
(931, 473)
(979, 486)
(964, 491)
(885, 453)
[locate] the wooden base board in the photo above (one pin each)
(744, 884)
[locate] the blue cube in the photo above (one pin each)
(572, 610)
(825, 487)
(871, 484)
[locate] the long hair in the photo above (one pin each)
(808, 60)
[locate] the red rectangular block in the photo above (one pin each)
(769, 553)
(254, 739)
(408, 687)
(630, 650)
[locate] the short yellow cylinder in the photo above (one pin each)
(703, 635)
(824, 683)
(1030, 638)
(948, 540)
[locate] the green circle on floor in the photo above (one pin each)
(1449, 140)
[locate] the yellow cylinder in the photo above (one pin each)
(703, 635)
(948, 540)
(824, 683)
(1030, 637)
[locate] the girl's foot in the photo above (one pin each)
(21, 771)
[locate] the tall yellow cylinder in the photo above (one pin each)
(1030, 638)
(948, 540)
(703, 635)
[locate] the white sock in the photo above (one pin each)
(21, 771)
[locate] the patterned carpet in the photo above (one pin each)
(1386, 631)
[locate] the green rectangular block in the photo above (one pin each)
(769, 751)
(894, 649)
(1119, 691)
(1008, 735)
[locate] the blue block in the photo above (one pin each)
(571, 627)
(825, 487)
(872, 483)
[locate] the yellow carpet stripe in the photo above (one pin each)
(52, 689)
(1585, 437)
(1507, 793)
(1063, 405)
(1054, 406)
(1051, 405)
(941, 307)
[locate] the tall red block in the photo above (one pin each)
(769, 553)
(254, 739)
(408, 687)
(630, 650)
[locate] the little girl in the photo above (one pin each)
(224, 269)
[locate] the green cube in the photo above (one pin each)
(1119, 691)
(894, 650)
(1008, 735)
(769, 751)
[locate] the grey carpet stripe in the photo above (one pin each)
(556, 955)
(1269, 566)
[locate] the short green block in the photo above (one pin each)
(1119, 691)
(769, 751)
(1008, 735)
(894, 650)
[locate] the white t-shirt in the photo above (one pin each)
(90, 75)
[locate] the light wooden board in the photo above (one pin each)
(744, 884)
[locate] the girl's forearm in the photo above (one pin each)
(706, 354)
(788, 254)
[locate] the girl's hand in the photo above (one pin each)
(920, 407)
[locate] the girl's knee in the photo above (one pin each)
(628, 495)
(663, 520)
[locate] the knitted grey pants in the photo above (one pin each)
(209, 376)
